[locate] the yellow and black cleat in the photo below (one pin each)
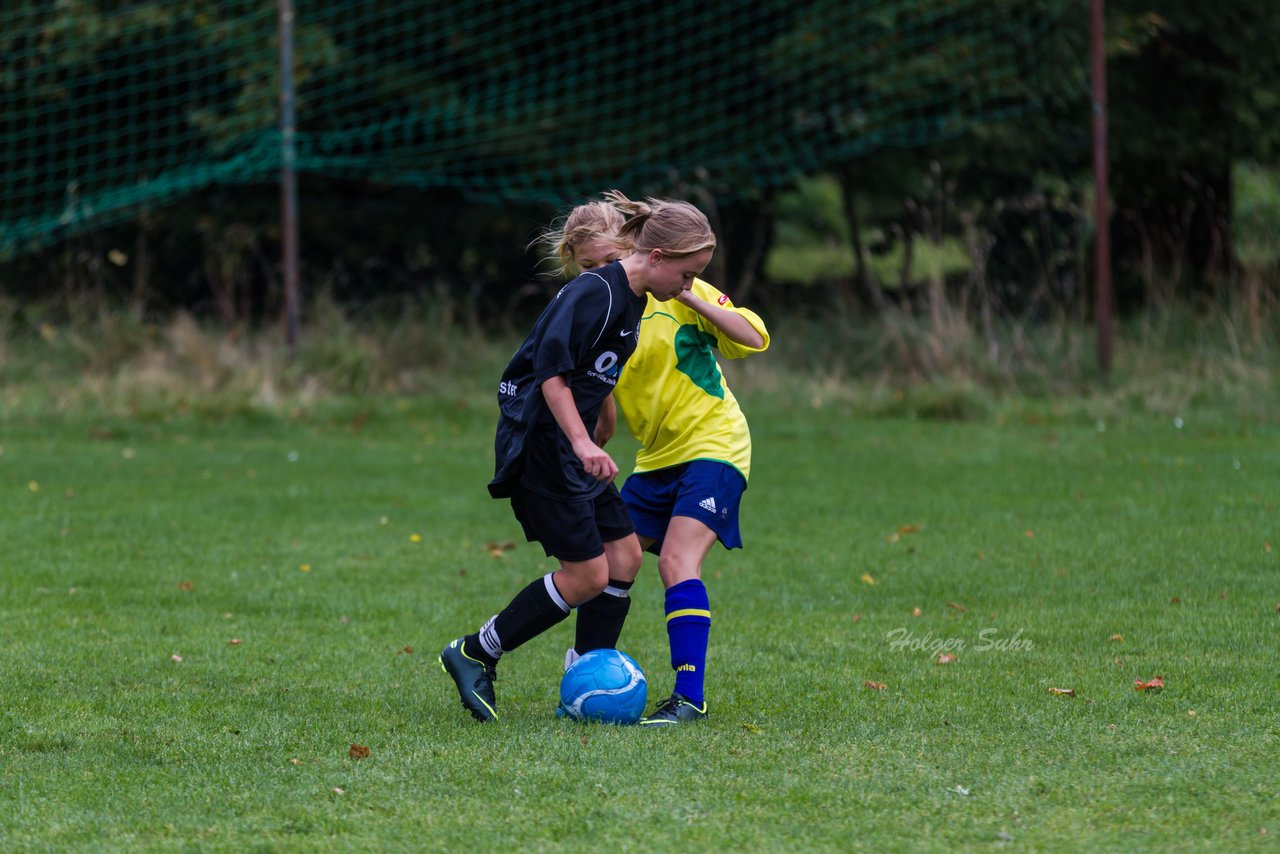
(474, 680)
(676, 709)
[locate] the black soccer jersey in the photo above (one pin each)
(586, 334)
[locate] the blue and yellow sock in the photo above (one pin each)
(689, 630)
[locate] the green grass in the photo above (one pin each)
(127, 542)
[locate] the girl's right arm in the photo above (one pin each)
(732, 324)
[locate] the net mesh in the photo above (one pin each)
(109, 107)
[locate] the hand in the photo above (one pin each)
(597, 463)
(687, 297)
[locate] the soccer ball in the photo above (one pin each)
(604, 685)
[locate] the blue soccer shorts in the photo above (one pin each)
(703, 489)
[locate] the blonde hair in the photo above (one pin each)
(677, 228)
(590, 221)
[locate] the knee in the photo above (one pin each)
(673, 569)
(597, 580)
(628, 562)
(582, 582)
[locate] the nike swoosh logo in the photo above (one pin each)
(625, 334)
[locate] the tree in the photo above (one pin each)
(1194, 88)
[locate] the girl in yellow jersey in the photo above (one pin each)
(695, 455)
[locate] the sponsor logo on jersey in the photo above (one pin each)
(724, 298)
(507, 388)
(607, 367)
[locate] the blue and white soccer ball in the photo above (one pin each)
(604, 685)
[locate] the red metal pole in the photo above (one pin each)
(1102, 201)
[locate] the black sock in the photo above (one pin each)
(600, 620)
(472, 648)
(535, 609)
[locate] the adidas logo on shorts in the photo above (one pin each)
(708, 504)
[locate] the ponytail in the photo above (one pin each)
(677, 228)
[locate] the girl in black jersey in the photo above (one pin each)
(559, 482)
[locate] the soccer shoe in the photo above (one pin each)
(474, 680)
(676, 709)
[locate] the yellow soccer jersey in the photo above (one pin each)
(672, 392)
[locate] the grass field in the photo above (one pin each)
(199, 619)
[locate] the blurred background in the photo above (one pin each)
(905, 189)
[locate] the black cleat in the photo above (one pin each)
(474, 680)
(676, 709)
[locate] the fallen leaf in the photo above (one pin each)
(508, 546)
(750, 727)
(295, 761)
(186, 586)
(1222, 594)
(1176, 600)
(1191, 713)
(956, 606)
(338, 791)
(982, 555)
(867, 579)
(358, 751)
(176, 658)
(915, 612)
(1028, 533)
(945, 658)
(1267, 547)
(234, 641)
(584, 741)
(1116, 637)
(408, 650)
(306, 567)
(415, 538)
(857, 618)
(961, 790)
(892, 538)
(908, 529)
(1063, 692)
(1119, 662)
(874, 686)
(1151, 685)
